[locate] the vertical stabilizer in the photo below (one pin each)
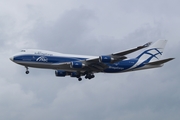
(153, 52)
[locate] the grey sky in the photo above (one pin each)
(93, 28)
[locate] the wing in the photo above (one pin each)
(120, 55)
(132, 50)
(98, 64)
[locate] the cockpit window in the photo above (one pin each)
(23, 50)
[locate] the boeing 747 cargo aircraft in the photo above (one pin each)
(81, 65)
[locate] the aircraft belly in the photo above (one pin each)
(37, 65)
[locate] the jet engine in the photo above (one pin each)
(105, 59)
(75, 74)
(60, 73)
(77, 64)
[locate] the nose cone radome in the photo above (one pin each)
(11, 58)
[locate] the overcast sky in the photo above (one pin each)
(89, 27)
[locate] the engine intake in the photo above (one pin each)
(105, 59)
(76, 64)
(60, 73)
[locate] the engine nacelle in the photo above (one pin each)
(105, 59)
(75, 74)
(60, 73)
(77, 64)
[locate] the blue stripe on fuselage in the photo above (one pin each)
(45, 59)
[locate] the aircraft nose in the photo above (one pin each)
(11, 58)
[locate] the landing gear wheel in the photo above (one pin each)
(92, 76)
(27, 72)
(79, 79)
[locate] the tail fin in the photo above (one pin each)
(153, 52)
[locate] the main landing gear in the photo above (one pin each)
(87, 76)
(27, 71)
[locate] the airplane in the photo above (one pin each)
(81, 65)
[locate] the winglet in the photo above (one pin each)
(145, 45)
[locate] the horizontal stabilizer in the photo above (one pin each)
(159, 62)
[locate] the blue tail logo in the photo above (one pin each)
(149, 55)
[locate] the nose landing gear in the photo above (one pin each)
(27, 71)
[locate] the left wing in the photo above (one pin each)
(120, 55)
(132, 50)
